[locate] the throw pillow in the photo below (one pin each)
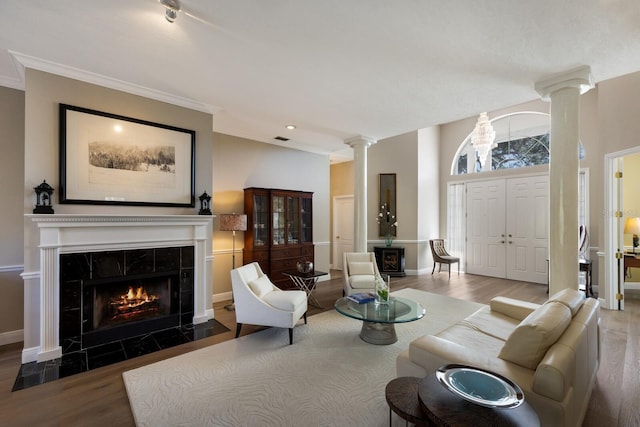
(261, 286)
(529, 342)
(358, 268)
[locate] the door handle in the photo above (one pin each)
(501, 241)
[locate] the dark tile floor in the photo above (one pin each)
(35, 373)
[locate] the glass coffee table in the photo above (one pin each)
(378, 320)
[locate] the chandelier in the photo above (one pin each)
(483, 138)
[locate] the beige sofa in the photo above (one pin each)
(552, 351)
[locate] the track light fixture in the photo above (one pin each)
(172, 8)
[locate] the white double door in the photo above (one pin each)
(508, 228)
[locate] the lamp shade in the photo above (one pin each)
(632, 226)
(233, 222)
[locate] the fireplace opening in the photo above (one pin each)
(130, 306)
(131, 300)
(116, 295)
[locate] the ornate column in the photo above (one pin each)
(564, 90)
(360, 144)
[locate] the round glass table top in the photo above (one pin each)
(398, 310)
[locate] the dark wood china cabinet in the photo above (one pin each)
(279, 231)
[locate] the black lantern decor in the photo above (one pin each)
(205, 204)
(43, 198)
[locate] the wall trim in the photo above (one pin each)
(11, 268)
(11, 337)
(26, 61)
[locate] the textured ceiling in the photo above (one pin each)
(333, 68)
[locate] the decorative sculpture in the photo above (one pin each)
(43, 199)
(205, 204)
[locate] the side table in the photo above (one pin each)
(443, 408)
(402, 397)
(306, 282)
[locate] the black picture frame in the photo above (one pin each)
(109, 159)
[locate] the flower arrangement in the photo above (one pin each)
(382, 290)
(387, 223)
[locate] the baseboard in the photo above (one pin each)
(224, 296)
(11, 268)
(30, 354)
(11, 337)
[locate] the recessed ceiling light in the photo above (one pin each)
(290, 127)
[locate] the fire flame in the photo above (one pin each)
(136, 297)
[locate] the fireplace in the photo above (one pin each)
(84, 257)
(109, 296)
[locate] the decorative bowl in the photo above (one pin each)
(304, 266)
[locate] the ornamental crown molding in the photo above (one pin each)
(80, 220)
(23, 61)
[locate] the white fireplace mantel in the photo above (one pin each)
(76, 233)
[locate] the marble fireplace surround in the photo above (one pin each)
(73, 233)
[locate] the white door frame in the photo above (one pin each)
(335, 239)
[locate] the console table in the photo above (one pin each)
(390, 260)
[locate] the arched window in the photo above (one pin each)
(522, 140)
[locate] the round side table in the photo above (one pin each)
(402, 397)
(443, 408)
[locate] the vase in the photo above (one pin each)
(388, 239)
(382, 291)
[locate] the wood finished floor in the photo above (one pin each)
(98, 397)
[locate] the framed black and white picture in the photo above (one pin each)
(115, 160)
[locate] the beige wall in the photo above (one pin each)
(43, 93)
(413, 158)
(240, 163)
(11, 194)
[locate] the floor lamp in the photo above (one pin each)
(233, 222)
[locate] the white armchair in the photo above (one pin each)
(260, 302)
(359, 272)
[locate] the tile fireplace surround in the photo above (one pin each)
(70, 233)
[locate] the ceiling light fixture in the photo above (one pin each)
(483, 138)
(290, 127)
(172, 9)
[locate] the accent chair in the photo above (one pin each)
(260, 302)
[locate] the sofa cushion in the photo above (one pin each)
(261, 286)
(357, 268)
(529, 342)
(572, 298)
(285, 300)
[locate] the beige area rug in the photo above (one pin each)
(328, 377)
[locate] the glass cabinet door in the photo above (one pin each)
(260, 219)
(293, 220)
(279, 220)
(307, 221)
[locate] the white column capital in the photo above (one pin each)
(579, 78)
(360, 140)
